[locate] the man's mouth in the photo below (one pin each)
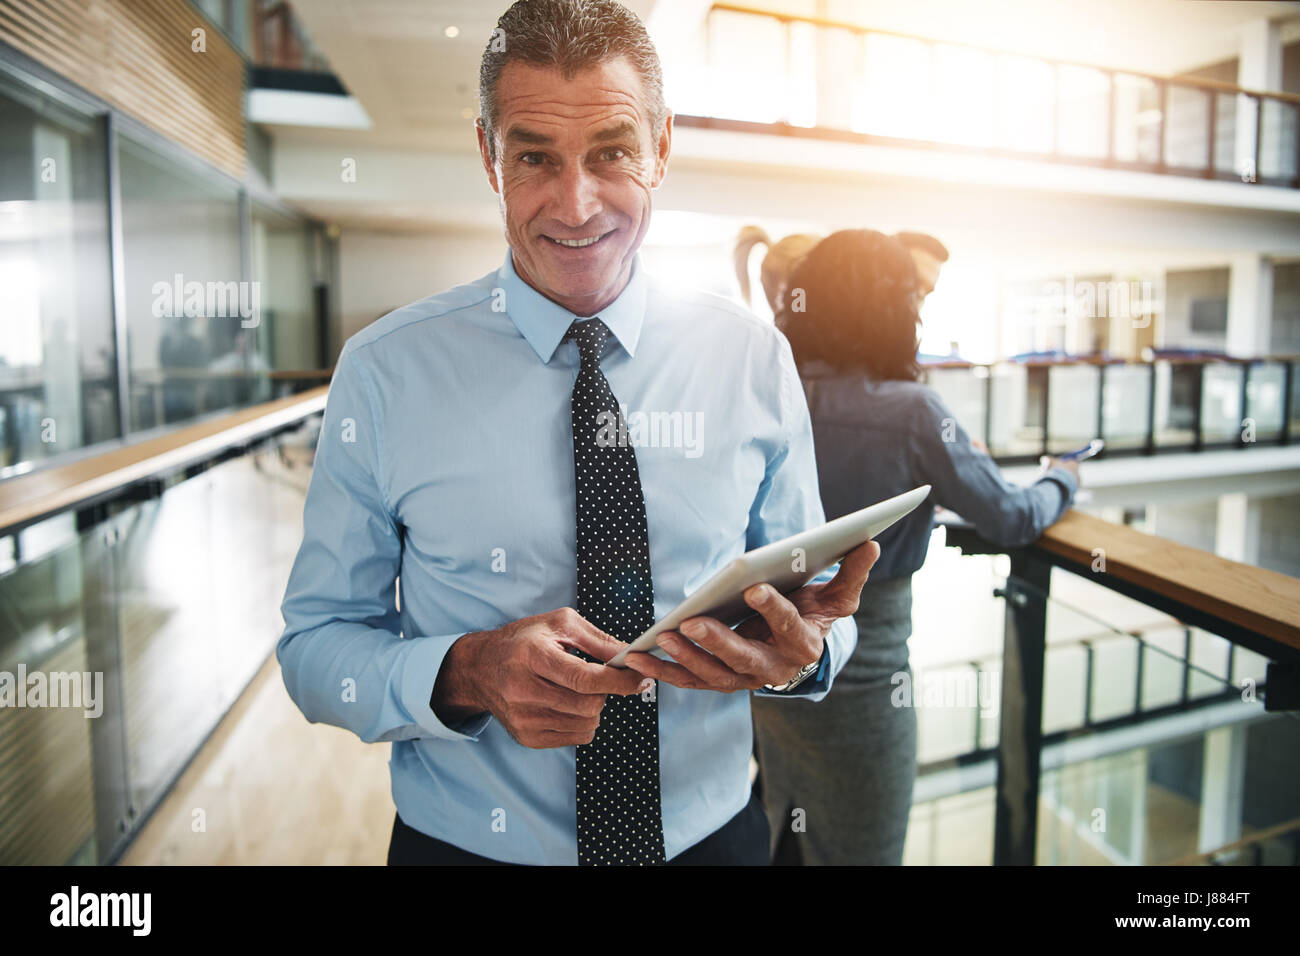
(580, 243)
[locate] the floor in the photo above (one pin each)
(235, 804)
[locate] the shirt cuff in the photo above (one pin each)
(1063, 478)
(419, 674)
(815, 685)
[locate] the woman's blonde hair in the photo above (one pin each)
(778, 263)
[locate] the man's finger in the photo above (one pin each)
(842, 593)
(651, 666)
(595, 642)
(740, 654)
(547, 694)
(782, 617)
(577, 630)
(585, 678)
(547, 719)
(709, 669)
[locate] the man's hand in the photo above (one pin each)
(1047, 463)
(789, 633)
(524, 675)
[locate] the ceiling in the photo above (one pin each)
(395, 57)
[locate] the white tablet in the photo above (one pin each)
(787, 565)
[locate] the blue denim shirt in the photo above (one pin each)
(875, 439)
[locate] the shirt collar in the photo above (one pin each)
(543, 322)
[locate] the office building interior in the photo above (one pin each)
(1117, 185)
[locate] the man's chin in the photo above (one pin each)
(582, 283)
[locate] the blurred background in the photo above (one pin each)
(1118, 188)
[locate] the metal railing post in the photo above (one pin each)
(1151, 409)
(1020, 735)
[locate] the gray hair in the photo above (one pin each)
(571, 35)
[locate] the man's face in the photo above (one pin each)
(576, 161)
(927, 272)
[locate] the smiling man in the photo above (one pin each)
(461, 450)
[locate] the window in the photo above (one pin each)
(189, 315)
(57, 354)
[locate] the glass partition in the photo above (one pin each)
(1265, 391)
(161, 611)
(1187, 127)
(1294, 412)
(1137, 119)
(1277, 140)
(1221, 411)
(761, 67)
(57, 351)
(1177, 397)
(1016, 420)
(1125, 405)
(1026, 106)
(287, 336)
(1074, 392)
(1129, 775)
(962, 390)
(47, 772)
(189, 314)
(1225, 134)
(1083, 98)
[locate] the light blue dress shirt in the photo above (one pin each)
(446, 460)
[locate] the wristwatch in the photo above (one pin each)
(804, 673)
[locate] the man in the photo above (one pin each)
(466, 446)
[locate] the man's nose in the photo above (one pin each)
(577, 198)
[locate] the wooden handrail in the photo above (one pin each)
(1118, 360)
(163, 376)
(48, 491)
(1215, 85)
(1257, 599)
(1272, 833)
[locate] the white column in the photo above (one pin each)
(1223, 775)
(1250, 305)
(1137, 854)
(1236, 530)
(1259, 67)
(836, 78)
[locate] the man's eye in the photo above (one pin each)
(613, 153)
(532, 159)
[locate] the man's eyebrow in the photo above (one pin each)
(518, 134)
(621, 131)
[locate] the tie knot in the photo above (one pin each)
(590, 334)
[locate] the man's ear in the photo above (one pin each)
(485, 154)
(663, 148)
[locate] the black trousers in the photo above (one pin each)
(741, 841)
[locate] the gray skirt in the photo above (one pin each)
(837, 775)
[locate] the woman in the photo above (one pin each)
(849, 761)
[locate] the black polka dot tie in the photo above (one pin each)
(619, 816)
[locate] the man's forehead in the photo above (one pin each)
(595, 94)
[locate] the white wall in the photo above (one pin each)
(379, 271)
